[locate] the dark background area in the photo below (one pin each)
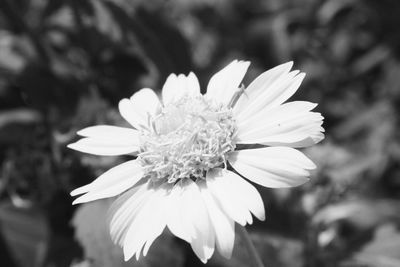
(65, 64)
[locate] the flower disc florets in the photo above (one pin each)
(188, 138)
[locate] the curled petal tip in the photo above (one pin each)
(72, 146)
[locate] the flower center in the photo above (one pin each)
(189, 137)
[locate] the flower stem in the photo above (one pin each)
(250, 247)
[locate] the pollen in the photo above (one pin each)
(188, 138)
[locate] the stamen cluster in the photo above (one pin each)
(188, 138)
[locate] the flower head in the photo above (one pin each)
(191, 153)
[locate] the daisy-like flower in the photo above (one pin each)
(192, 152)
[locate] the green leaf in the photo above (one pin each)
(383, 250)
(26, 234)
(92, 232)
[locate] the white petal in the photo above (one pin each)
(224, 227)
(148, 223)
(124, 210)
(242, 191)
(290, 124)
(110, 132)
(195, 210)
(139, 107)
(103, 147)
(177, 221)
(159, 225)
(226, 82)
(107, 140)
(272, 166)
(225, 195)
(260, 84)
(111, 183)
(176, 87)
(269, 91)
(203, 245)
(246, 193)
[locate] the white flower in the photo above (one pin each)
(191, 153)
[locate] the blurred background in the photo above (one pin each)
(65, 64)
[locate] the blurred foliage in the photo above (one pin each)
(64, 65)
